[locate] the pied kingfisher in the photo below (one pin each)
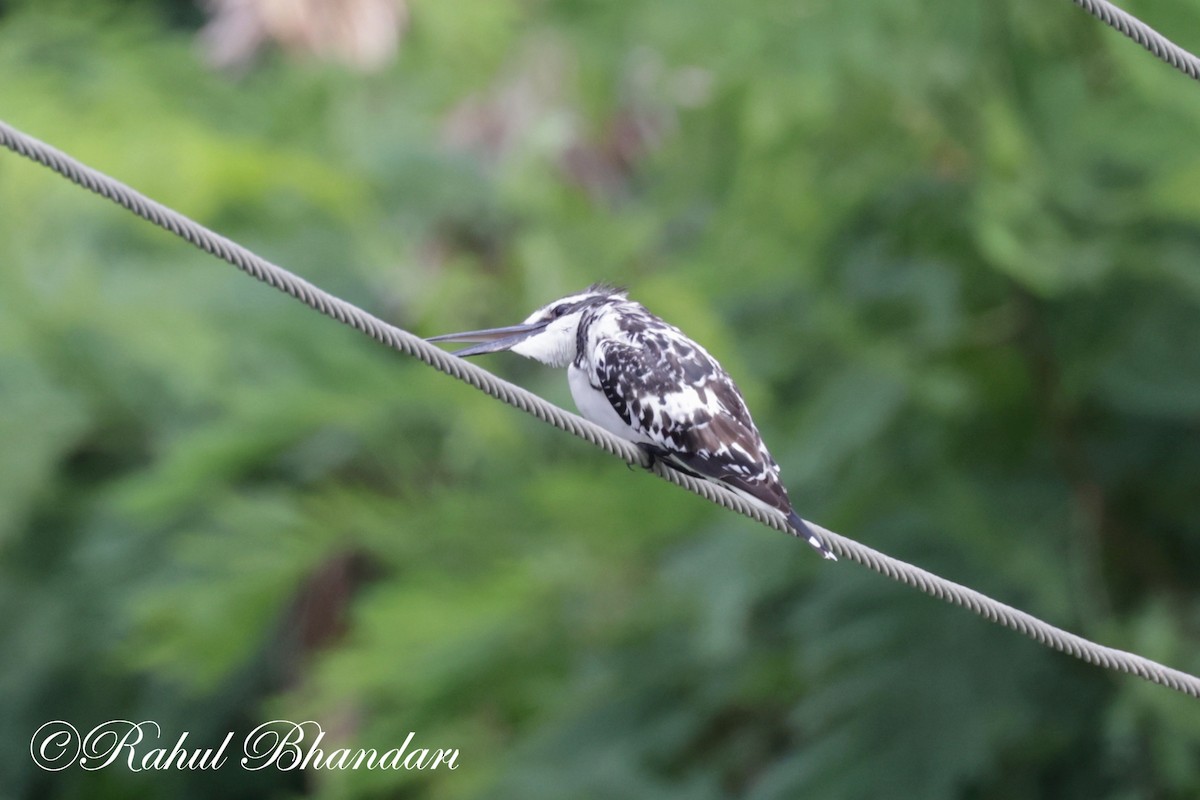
(642, 379)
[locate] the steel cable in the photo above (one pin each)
(485, 381)
(1143, 34)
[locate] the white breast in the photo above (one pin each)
(594, 406)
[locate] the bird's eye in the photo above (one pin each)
(560, 309)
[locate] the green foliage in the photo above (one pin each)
(949, 253)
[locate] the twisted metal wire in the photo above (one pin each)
(483, 380)
(1143, 34)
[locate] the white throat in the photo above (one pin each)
(556, 345)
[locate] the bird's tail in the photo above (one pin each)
(800, 528)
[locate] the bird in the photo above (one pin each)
(643, 379)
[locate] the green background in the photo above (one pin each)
(950, 251)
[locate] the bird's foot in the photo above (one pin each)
(653, 453)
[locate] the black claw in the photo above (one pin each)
(649, 451)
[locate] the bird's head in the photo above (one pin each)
(548, 335)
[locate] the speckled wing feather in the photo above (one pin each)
(674, 394)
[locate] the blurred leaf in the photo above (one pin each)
(949, 255)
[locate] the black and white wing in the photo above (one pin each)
(683, 407)
(679, 398)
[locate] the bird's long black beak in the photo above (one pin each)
(492, 340)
